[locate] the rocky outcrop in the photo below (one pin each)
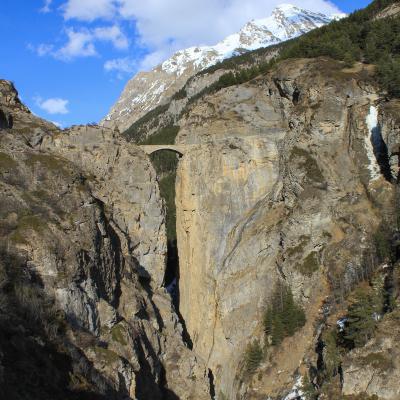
(389, 123)
(391, 11)
(374, 369)
(280, 181)
(81, 209)
(123, 180)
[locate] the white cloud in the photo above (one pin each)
(44, 49)
(80, 44)
(53, 105)
(112, 34)
(89, 10)
(124, 65)
(46, 6)
(201, 21)
(166, 26)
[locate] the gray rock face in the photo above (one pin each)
(282, 180)
(279, 171)
(124, 180)
(374, 369)
(83, 209)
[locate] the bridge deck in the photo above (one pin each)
(150, 149)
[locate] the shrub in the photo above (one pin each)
(309, 265)
(308, 390)
(378, 361)
(332, 359)
(307, 163)
(383, 244)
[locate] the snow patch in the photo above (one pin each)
(373, 126)
(341, 323)
(296, 391)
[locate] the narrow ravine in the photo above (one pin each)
(165, 163)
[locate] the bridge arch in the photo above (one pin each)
(151, 149)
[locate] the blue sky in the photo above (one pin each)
(70, 59)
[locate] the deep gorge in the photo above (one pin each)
(260, 260)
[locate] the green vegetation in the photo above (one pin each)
(253, 357)
(49, 162)
(307, 163)
(118, 334)
(27, 222)
(165, 163)
(303, 240)
(233, 78)
(283, 317)
(356, 38)
(166, 135)
(167, 189)
(180, 94)
(7, 162)
(137, 131)
(309, 265)
(362, 316)
(308, 389)
(383, 245)
(106, 354)
(245, 60)
(378, 361)
(331, 352)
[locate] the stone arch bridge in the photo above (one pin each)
(152, 148)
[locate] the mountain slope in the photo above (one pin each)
(149, 89)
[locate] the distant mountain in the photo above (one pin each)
(147, 90)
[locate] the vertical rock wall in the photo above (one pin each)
(277, 185)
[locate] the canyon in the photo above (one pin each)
(153, 263)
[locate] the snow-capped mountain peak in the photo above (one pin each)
(149, 89)
(285, 22)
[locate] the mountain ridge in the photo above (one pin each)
(149, 89)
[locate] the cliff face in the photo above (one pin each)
(280, 183)
(83, 257)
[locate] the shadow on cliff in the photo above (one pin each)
(37, 361)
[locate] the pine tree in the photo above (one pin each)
(360, 318)
(268, 321)
(253, 356)
(278, 330)
(283, 317)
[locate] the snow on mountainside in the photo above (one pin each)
(147, 90)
